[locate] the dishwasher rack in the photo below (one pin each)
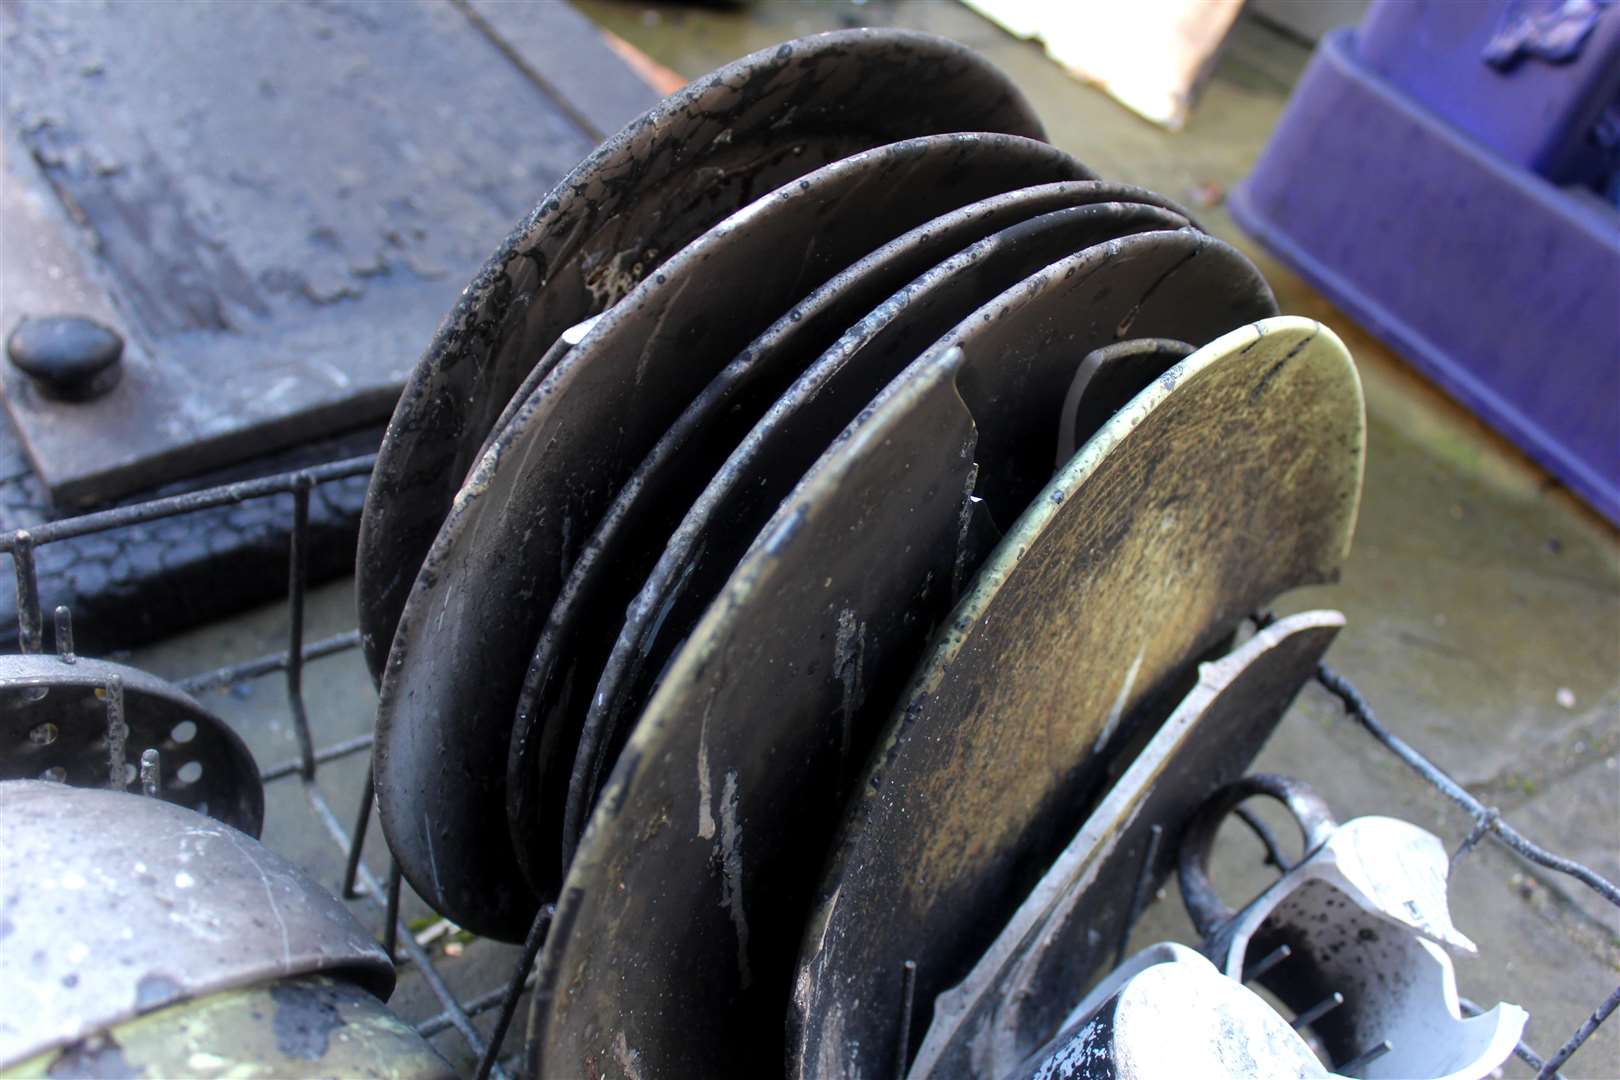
(360, 885)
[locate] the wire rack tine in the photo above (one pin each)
(1584, 1032)
(174, 505)
(1274, 851)
(908, 1001)
(323, 756)
(117, 734)
(484, 1002)
(30, 624)
(514, 988)
(396, 882)
(388, 899)
(233, 674)
(297, 580)
(1144, 879)
(64, 635)
(357, 839)
(151, 772)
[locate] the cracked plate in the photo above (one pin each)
(704, 152)
(741, 497)
(1022, 991)
(455, 673)
(580, 631)
(1231, 479)
(701, 860)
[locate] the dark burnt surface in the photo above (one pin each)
(706, 151)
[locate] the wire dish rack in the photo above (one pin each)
(482, 1017)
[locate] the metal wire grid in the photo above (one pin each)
(360, 882)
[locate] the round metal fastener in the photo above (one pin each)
(69, 357)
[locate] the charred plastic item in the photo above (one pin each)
(708, 150)
(1018, 992)
(117, 905)
(1353, 938)
(89, 722)
(304, 1028)
(1168, 1012)
(824, 618)
(1131, 563)
(455, 673)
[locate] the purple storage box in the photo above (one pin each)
(1499, 285)
(1554, 68)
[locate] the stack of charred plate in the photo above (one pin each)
(795, 524)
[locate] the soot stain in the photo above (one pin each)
(155, 990)
(304, 1021)
(99, 1057)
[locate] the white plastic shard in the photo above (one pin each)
(1365, 915)
(1167, 1012)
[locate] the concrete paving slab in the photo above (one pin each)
(1582, 808)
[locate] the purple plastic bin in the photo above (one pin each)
(1501, 287)
(1557, 67)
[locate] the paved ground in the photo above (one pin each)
(1483, 601)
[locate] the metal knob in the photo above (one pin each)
(69, 357)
